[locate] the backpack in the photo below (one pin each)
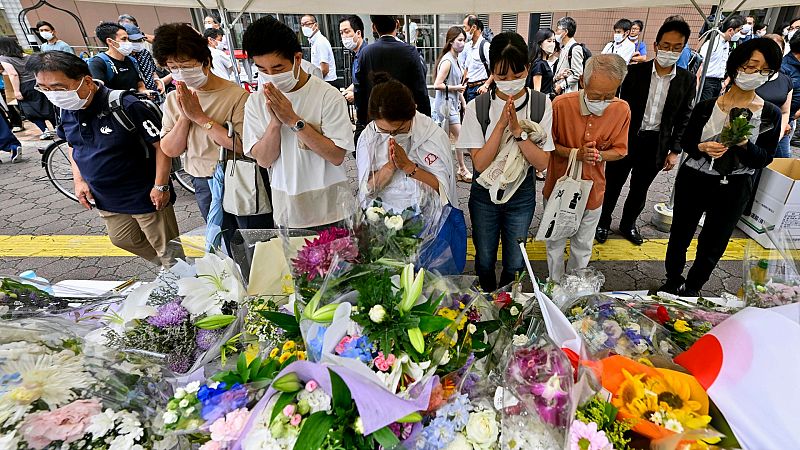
(695, 62)
(483, 101)
(482, 55)
(586, 54)
(111, 69)
(117, 110)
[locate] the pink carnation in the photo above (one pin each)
(384, 364)
(311, 386)
(66, 424)
(229, 428)
(341, 345)
(295, 420)
(288, 410)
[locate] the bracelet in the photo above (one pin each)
(413, 172)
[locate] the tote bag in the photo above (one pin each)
(564, 210)
(245, 193)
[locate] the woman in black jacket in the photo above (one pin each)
(717, 179)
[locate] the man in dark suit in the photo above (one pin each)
(660, 95)
(400, 60)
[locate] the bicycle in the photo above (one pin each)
(58, 166)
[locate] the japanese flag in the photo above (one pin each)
(750, 367)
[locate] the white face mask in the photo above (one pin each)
(285, 81)
(194, 77)
(790, 35)
(308, 32)
(221, 45)
(68, 100)
(619, 37)
(512, 87)
(137, 47)
(46, 35)
(667, 59)
(750, 81)
(125, 47)
(633, 38)
(746, 29)
(549, 47)
(208, 26)
(735, 37)
(559, 37)
(596, 107)
(349, 43)
(458, 46)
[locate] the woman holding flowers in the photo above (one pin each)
(727, 139)
(401, 150)
(507, 131)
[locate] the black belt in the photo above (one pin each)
(476, 83)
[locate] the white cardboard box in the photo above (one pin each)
(777, 203)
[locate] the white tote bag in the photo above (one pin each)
(565, 207)
(245, 193)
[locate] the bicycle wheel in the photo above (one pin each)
(182, 178)
(58, 167)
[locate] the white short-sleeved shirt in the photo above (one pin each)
(321, 52)
(472, 135)
(719, 58)
(305, 187)
(471, 60)
(221, 64)
(625, 49)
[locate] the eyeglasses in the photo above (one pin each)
(43, 90)
(307, 24)
(750, 70)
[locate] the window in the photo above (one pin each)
(509, 23)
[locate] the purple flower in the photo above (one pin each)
(205, 339)
(179, 363)
(169, 315)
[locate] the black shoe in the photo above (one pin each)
(601, 235)
(671, 286)
(686, 291)
(632, 234)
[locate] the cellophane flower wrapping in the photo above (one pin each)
(770, 276)
(608, 325)
(576, 283)
(58, 391)
(20, 298)
(183, 319)
(686, 324)
(534, 398)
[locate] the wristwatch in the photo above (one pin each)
(208, 125)
(298, 126)
(161, 188)
(522, 136)
(599, 156)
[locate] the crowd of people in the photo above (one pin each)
(521, 113)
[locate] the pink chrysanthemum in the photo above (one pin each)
(315, 258)
(584, 436)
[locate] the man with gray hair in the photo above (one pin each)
(593, 123)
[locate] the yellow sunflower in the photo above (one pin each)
(629, 390)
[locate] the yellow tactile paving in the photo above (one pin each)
(59, 246)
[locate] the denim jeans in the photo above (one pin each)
(784, 149)
(507, 222)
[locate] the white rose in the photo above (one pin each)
(374, 213)
(193, 387)
(471, 328)
(519, 340)
(170, 417)
(183, 403)
(482, 429)
(393, 223)
(514, 311)
(179, 393)
(377, 313)
(459, 443)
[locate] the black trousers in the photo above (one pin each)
(640, 164)
(711, 89)
(697, 193)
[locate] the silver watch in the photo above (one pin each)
(161, 188)
(522, 136)
(298, 126)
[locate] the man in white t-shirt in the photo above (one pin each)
(321, 51)
(221, 63)
(621, 45)
(299, 128)
(475, 58)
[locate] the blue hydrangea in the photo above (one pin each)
(438, 434)
(314, 346)
(360, 349)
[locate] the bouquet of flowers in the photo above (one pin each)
(317, 258)
(21, 298)
(596, 427)
(660, 402)
(387, 235)
(771, 280)
(461, 423)
(607, 324)
(57, 392)
(535, 400)
(182, 318)
(685, 324)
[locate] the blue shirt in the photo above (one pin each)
(686, 55)
(120, 173)
(641, 47)
(59, 45)
(357, 58)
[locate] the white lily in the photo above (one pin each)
(412, 287)
(134, 307)
(217, 282)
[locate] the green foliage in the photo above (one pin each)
(604, 414)
(736, 131)
(287, 322)
(314, 430)
(258, 373)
